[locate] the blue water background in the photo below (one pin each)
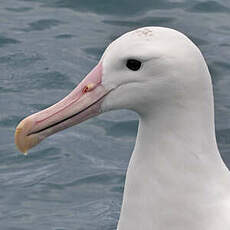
(74, 180)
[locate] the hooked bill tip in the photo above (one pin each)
(22, 140)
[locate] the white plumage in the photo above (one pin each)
(176, 179)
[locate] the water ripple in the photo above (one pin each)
(64, 36)
(98, 180)
(159, 21)
(20, 60)
(209, 7)
(5, 41)
(20, 9)
(125, 7)
(42, 80)
(42, 24)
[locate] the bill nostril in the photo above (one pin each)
(88, 88)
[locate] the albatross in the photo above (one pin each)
(176, 178)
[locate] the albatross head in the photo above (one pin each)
(143, 70)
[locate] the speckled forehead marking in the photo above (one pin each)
(146, 33)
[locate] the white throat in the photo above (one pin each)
(176, 178)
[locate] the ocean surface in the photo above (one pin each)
(74, 180)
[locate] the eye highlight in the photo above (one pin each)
(133, 64)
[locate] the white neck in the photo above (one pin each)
(176, 178)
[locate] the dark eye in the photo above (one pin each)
(133, 64)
